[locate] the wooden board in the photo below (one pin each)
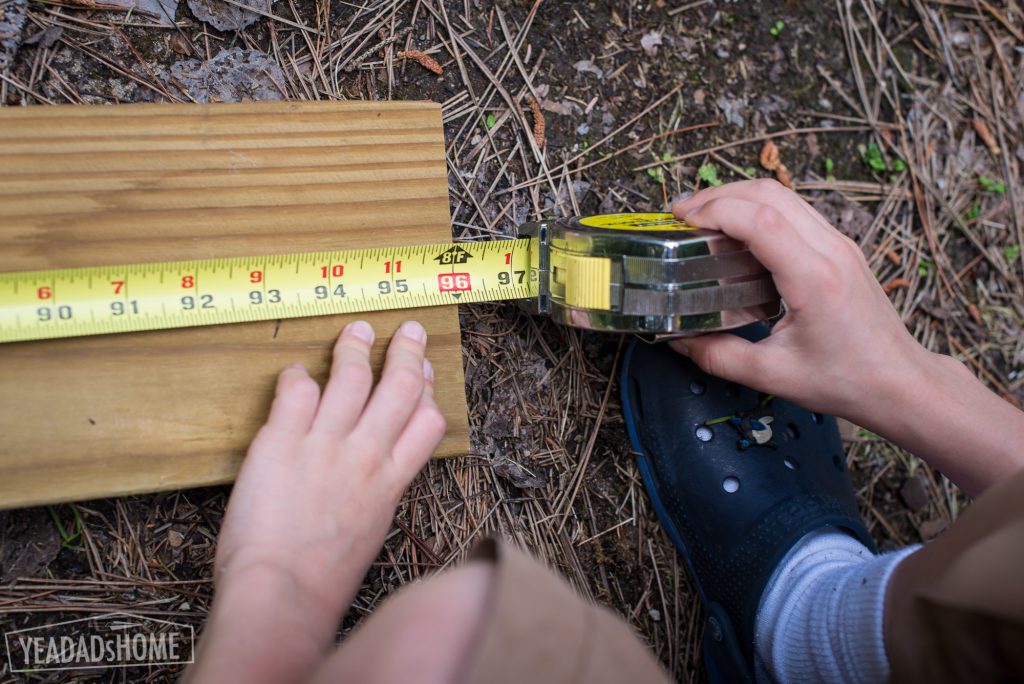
(119, 414)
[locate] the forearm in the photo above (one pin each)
(262, 629)
(939, 411)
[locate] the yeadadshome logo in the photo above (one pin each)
(111, 640)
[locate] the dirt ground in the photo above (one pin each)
(901, 123)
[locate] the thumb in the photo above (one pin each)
(726, 356)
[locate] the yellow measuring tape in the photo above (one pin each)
(108, 299)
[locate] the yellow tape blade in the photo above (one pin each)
(109, 299)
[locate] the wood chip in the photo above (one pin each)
(425, 60)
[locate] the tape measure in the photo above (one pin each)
(646, 273)
(618, 272)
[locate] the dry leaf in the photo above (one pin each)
(770, 158)
(225, 16)
(45, 38)
(180, 45)
(565, 107)
(783, 176)
(234, 75)
(650, 42)
(588, 66)
(520, 476)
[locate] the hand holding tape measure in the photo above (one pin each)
(643, 273)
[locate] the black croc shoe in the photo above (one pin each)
(736, 478)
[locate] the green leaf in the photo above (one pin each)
(709, 174)
(750, 171)
(1012, 253)
(66, 537)
(776, 28)
(924, 266)
(899, 165)
(989, 185)
(872, 156)
(974, 212)
(830, 165)
(490, 121)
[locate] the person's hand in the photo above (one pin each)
(840, 339)
(317, 493)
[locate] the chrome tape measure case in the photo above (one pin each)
(646, 273)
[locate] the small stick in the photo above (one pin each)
(365, 54)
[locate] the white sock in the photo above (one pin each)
(820, 617)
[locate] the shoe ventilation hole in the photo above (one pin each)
(703, 433)
(817, 418)
(793, 431)
(837, 462)
(731, 485)
(791, 463)
(697, 387)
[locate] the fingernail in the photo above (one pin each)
(360, 329)
(680, 346)
(297, 366)
(681, 198)
(428, 370)
(414, 331)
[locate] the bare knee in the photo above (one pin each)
(424, 633)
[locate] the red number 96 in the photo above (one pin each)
(454, 282)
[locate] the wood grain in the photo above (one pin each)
(118, 414)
